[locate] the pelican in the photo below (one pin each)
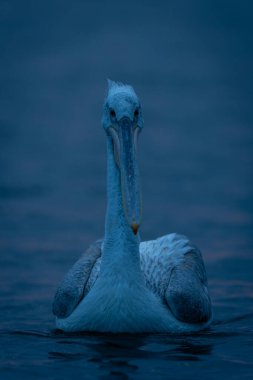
(121, 284)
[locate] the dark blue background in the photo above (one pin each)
(191, 64)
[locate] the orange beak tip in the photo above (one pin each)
(135, 228)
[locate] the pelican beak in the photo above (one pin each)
(125, 154)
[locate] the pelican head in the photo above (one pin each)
(122, 121)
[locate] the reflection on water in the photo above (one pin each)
(135, 356)
(191, 64)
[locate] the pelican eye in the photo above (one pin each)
(112, 113)
(136, 113)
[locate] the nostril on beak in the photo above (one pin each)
(135, 228)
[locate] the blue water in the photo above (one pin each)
(191, 64)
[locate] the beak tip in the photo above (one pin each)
(135, 228)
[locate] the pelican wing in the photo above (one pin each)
(174, 270)
(76, 282)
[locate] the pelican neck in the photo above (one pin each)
(120, 244)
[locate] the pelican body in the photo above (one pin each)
(121, 284)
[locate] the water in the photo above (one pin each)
(191, 64)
